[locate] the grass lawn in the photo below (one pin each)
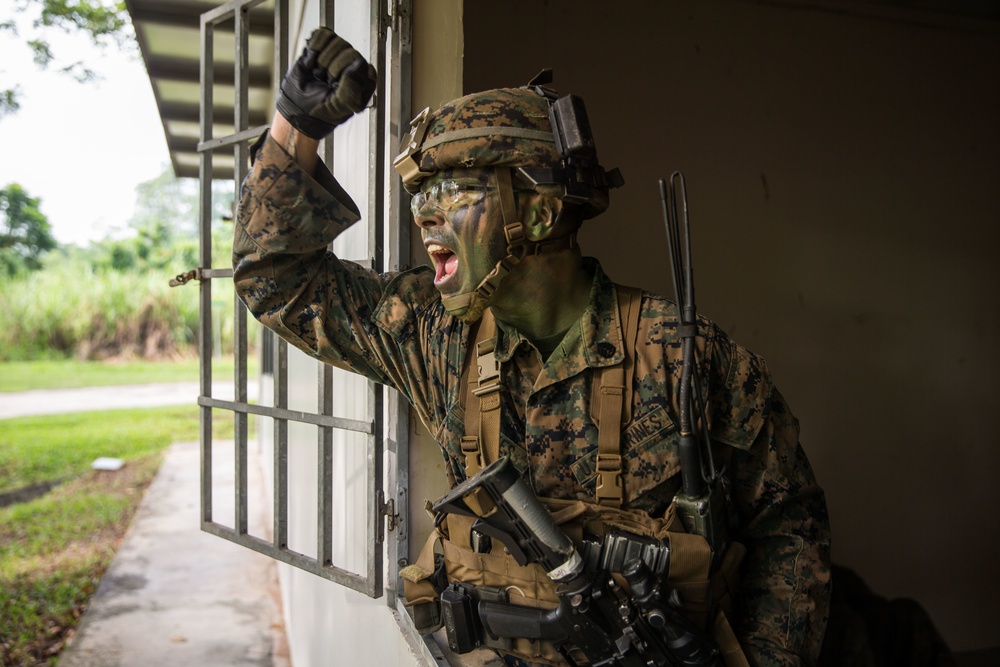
(54, 551)
(41, 449)
(68, 373)
(55, 548)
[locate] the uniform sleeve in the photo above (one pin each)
(319, 303)
(783, 604)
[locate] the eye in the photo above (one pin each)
(448, 192)
(447, 195)
(458, 193)
(418, 202)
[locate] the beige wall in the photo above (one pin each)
(437, 77)
(843, 174)
(323, 619)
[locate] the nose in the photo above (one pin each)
(426, 219)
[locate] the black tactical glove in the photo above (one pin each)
(327, 85)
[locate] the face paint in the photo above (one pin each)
(464, 236)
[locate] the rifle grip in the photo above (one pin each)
(506, 620)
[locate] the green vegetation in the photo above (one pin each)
(104, 21)
(69, 374)
(71, 309)
(112, 300)
(35, 450)
(55, 549)
(25, 233)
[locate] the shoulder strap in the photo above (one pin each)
(615, 407)
(481, 443)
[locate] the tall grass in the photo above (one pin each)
(71, 309)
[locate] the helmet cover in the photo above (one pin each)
(504, 127)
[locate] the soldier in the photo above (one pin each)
(498, 211)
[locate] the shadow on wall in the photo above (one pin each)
(842, 172)
(867, 630)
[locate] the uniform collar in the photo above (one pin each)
(594, 341)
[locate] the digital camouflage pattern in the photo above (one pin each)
(445, 146)
(470, 132)
(393, 328)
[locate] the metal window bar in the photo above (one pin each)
(371, 582)
(324, 444)
(398, 258)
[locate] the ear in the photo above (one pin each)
(538, 215)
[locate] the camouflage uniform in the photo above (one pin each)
(392, 328)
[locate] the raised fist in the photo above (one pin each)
(327, 85)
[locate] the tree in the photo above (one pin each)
(164, 227)
(168, 200)
(25, 233)
(104, 21)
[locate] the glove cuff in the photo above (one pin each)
(310, 126)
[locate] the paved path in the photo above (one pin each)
(56, 401)
(173, 595)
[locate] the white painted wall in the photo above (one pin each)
(328, 624)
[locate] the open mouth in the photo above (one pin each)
(445, 262)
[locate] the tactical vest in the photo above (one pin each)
(707, 596)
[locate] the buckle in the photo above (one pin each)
(609, 489)
(470, 444)
(406, 164)
(489, 372)
(493, 279)
(514, 233)
(473, 457)
(517, 242)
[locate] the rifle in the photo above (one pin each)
(702, 503)
(595, 615)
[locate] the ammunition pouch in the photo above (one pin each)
(485, 569)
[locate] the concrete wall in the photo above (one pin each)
(438, 48)
(842, 170)
(328, 624)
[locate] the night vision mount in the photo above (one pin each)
(579, 172)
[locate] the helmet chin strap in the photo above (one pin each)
(469, 306)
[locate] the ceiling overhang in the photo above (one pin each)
(169, 37)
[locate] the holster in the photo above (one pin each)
(706, 601)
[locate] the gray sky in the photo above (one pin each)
(81, 148)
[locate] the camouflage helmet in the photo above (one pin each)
(505, 127)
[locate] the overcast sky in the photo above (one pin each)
(80, 148)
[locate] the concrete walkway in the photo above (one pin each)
(57, 401)
(173, 595)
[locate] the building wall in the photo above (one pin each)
(842, 169)
(328, 624)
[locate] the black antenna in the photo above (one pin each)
(693, 462)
